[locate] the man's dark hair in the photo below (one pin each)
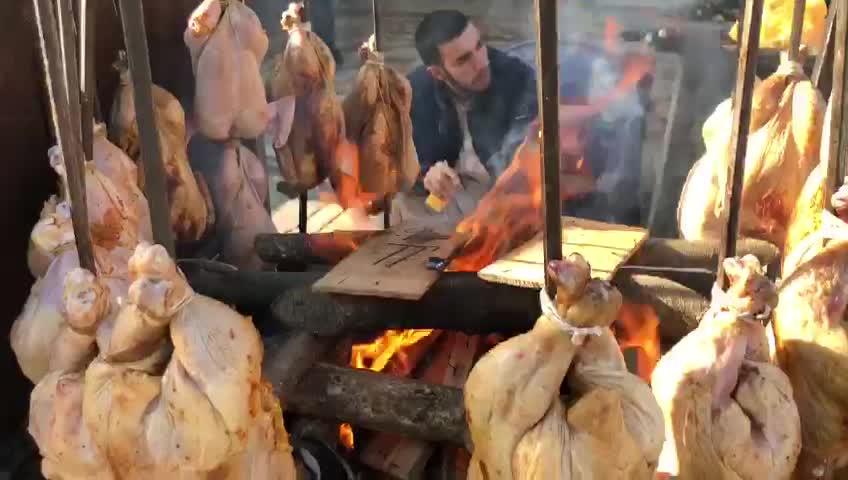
(438, 27)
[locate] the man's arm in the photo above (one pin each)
(524, 112)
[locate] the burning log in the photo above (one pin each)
(317, 248)
(329, 248)
(379, 402)
(249, 291)
(464, 302)
(288, 357)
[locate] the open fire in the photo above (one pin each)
(507, 216)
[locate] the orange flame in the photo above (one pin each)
(377, 355)
(638, 326)
(510, 213)
(346, 180)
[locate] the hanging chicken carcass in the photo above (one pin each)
(238, 186)
(227, 44)
(521, 429)
(176, 391)
(191, 212)
(113, 163)
(783, 144)
(377, 120)
(811, 341)
(729, 412)
(52, 231)
(37, 332)
(305, 75)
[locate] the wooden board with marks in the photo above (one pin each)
(605, 246)
(391, 264)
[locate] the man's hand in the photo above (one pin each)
(442, 181)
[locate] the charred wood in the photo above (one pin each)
(248, 291)
(289, 356)
(379, 402)
(316, 248)
(673, 256)
(464, 302)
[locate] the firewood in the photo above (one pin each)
(405, 458)
(379, 402)
(676, 259)
(288, 357)
(248, 291)
(463, 302)
(317, 248)
(666, 252)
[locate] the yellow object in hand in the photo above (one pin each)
(435, 203)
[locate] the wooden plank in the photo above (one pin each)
(605, 246)
(403, 457)
(392, 264)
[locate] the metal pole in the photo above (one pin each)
(378, 45)
(303, 200)
(838, 126)
(825, 57)
(135, 39)
(748, 53)
(63, 125)
(87, 17)
(547, 65)
(797, 29)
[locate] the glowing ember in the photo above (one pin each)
(375, 356)
(638, 326)
(346, 435)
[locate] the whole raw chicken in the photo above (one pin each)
(811, 342)
(112, 162)
(729, 412)
(238, 185)
(305, 74)
(521, 429)
(37, 334)
(175, 392)
(377, 120)
(191, 212)
(52, 231)
(783, 145)
(113, 215)
(227, 44)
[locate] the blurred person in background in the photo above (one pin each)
(472, 106)
(322, 15)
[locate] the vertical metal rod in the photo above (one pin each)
(547, 66)
(378, 34)
(69, 142)
(825, 58)
(838, 125)
(748, 53)
(135, 39)
(88, 87)
(301, 220)
(68, 39)
(378, 44)
(797, 29)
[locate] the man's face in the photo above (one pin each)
(465, 62)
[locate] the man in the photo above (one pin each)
(472, 106)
